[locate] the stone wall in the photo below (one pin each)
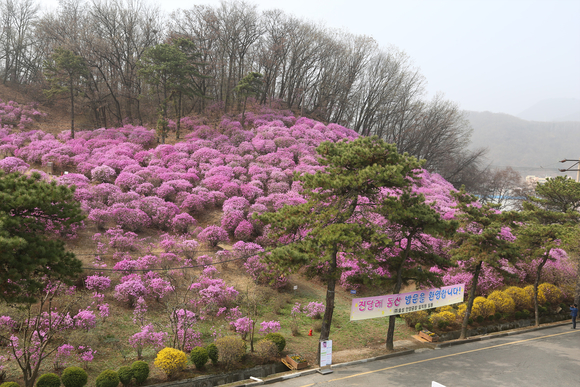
(231, 377)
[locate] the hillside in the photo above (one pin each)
(530, 147)
(555, 109)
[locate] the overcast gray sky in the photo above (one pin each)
(494, 55)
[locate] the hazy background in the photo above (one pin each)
(499, 56)
(512, 65)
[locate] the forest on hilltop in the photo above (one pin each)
(329, 75)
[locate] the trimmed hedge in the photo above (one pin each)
(74, 377)
(48, 380)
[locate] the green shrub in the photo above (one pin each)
(442, 324)
(231, 350)
(125, 374)
(526, 313)
(498, 316)
(212, 352)
(542, 310)
(420, 316)
(107, 378)
(479, 319)
(317, 326)
(171, 361)
(140, 371)
(470, 321)
(10, 384)
(277, 339)
(74, 377)
(266, 349)
(199, 357)
(48, 380)
(418, 327)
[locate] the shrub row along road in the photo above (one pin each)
(549, 357)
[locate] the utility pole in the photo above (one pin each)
(576, 164)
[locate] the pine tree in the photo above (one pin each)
(171, 70)
(411, 224)
(484, 236)
(32, 214)
(64, 72)
(551, 217)
(311, 235)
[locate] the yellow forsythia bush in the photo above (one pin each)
(551, 293)
(171, 361)
(503, 302)
(448, 317)
(482, 307)
(446, 308)
(521, 298)
(420, 316)
(541, 297)
(461, 311)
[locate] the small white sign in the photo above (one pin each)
(325, 353)
(295, 287)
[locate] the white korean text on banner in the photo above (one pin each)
(392, 304)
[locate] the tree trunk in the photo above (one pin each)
(72, 109)
(536, 283)
(463, 334)
(577, 295)
(178, 121)
(392, 319)
(329, 310)
(244, 112)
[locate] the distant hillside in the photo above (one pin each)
(555, 109)
(530, 147)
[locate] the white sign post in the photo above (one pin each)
(325, 357)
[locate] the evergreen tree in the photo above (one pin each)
(171, 70)
(551, 218)
(311, 235)
(484, 236)
(32, 215)
(412, 225)
(248, 86)
(64, 71)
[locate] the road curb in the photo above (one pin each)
(452, 343)
(401, 353)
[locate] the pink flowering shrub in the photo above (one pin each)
(147, 337)
(182, 222)
(314, 309)
(242, 326)
(130, 289)
(212, 235)
(97, 282)
(13, 164)
(62, 356)
(85, 319)
(103, 174)
(244, 230)
(269, 327)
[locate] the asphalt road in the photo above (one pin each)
(549, 357)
